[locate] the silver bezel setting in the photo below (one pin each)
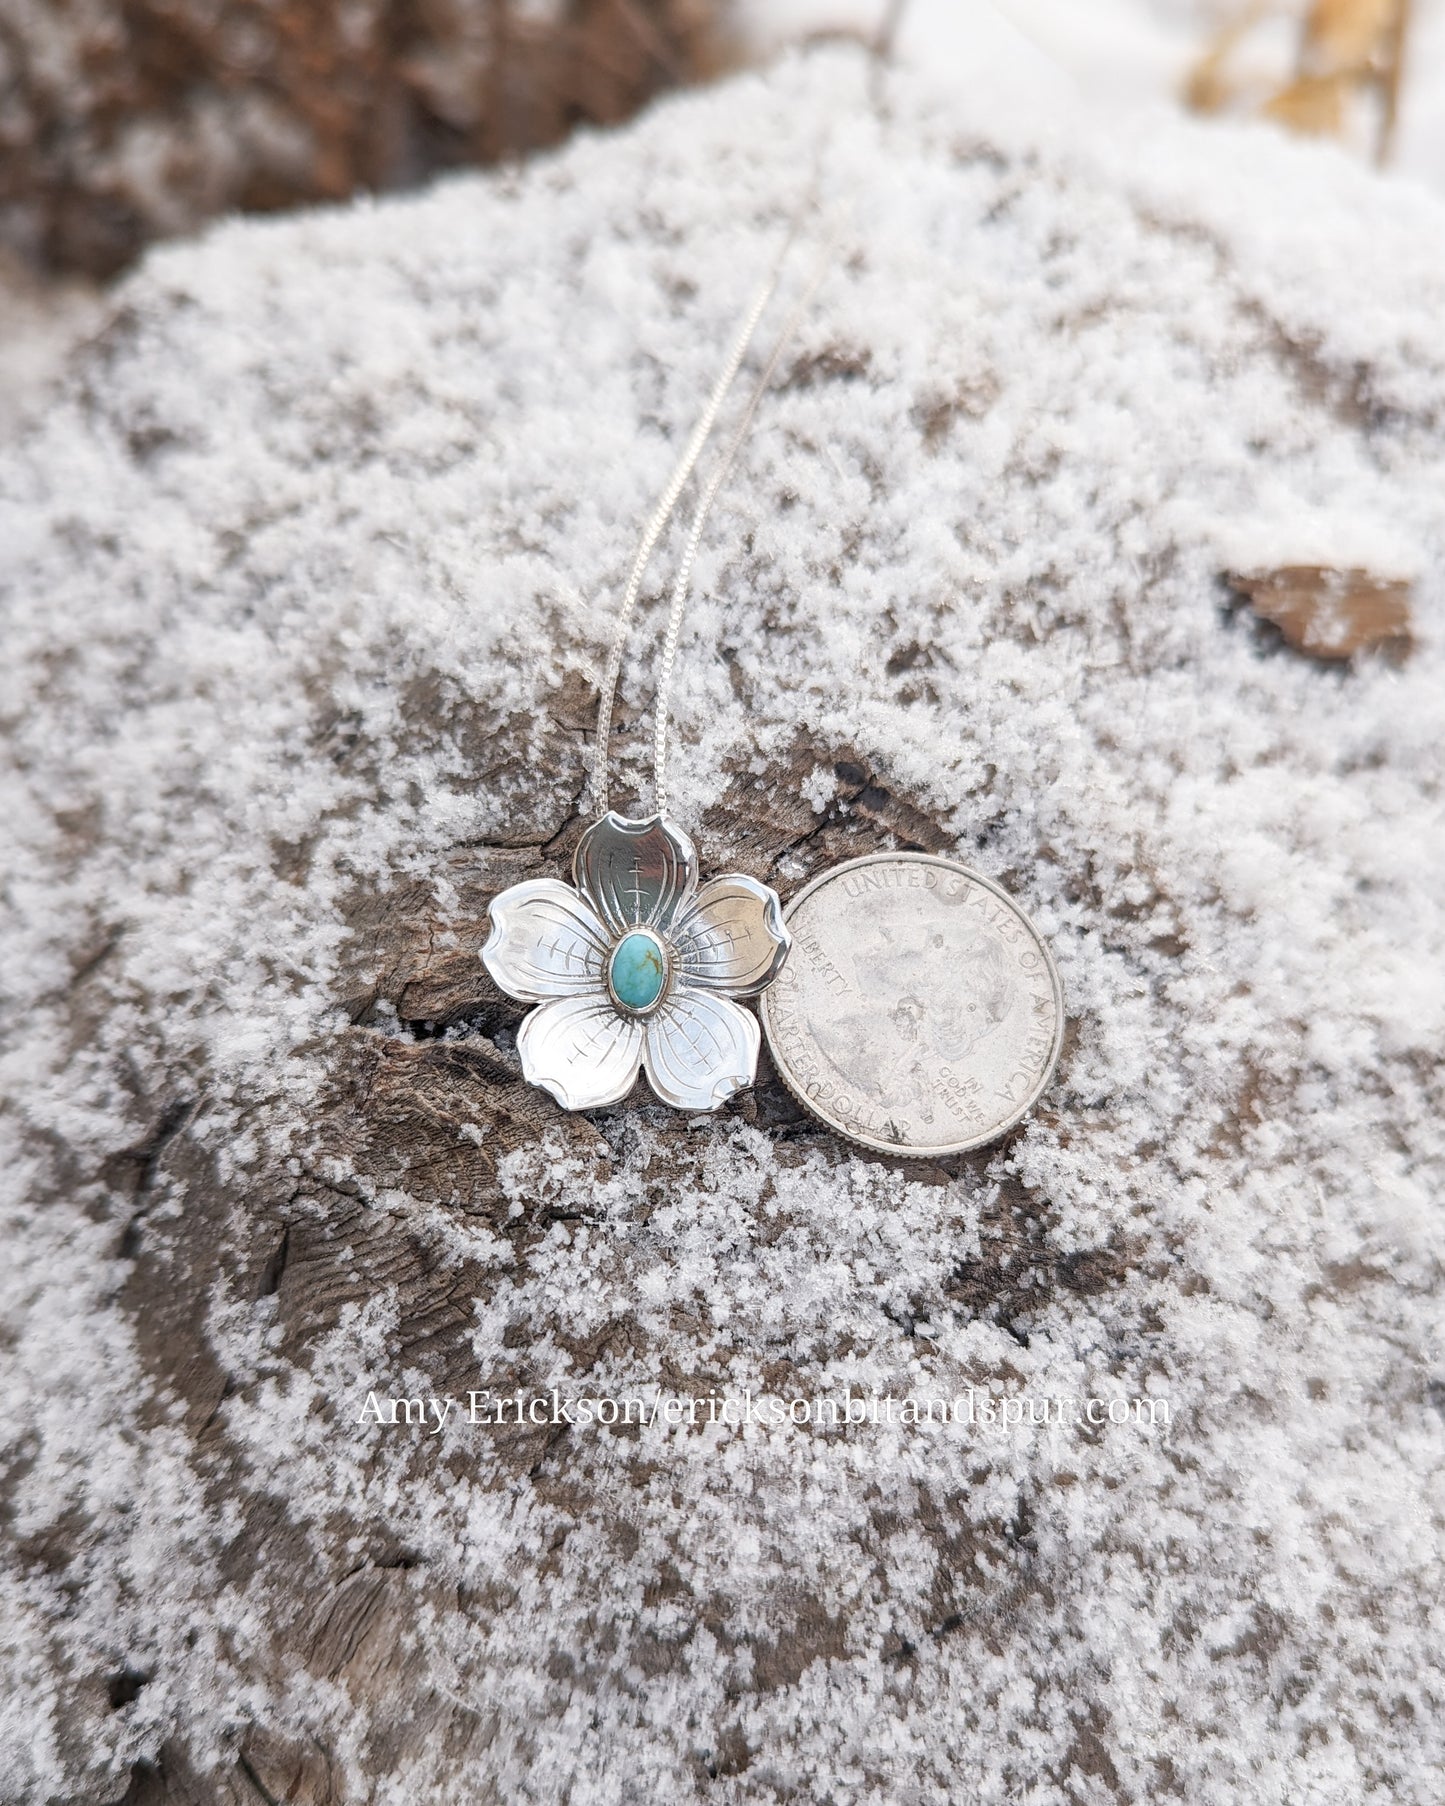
(669, 974)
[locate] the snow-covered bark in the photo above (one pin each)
(308, 573)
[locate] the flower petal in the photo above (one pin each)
(546, 941)
(732, 938)
(635, 874)
(699, 1049)
(581, 1050)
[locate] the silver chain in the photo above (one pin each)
(683, 584)
(662, 513)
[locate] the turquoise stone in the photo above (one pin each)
(639, 971)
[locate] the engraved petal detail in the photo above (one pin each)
(636, 874)
(732, 937)
(699, 1049)
(546, 941)
(581, 1051)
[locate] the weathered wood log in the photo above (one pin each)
(125, 121)
(308, 574)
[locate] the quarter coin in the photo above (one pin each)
(918, 1012)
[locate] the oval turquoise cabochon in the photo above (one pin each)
(639, 970)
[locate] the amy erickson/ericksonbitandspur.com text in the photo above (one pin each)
(975, 1407)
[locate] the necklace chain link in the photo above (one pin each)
(663, 513)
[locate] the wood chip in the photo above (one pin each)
(1330, 614)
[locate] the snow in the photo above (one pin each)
(40, 324)
(383, 467)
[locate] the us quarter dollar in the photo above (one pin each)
(919, 1012)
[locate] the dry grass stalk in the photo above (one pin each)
(1349, 51)
(1209, 87)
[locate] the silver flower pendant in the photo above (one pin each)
(637, 968)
